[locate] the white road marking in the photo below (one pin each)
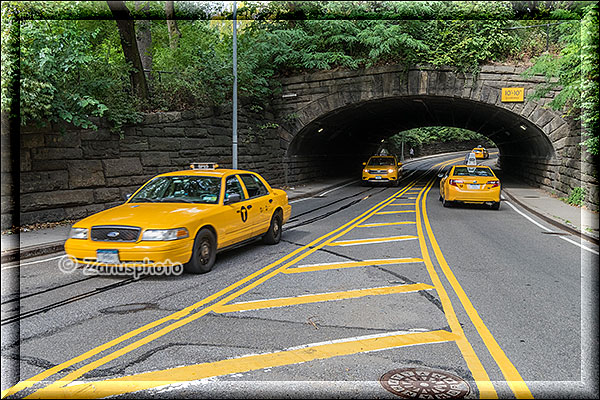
(336, 188)
(32, 262)
(550, 230)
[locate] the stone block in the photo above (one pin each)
(80, 212)
(51, 215)
(100, 149)
(66, 139)
(104, 195)
(49, 165)
(155, 158)
(171, 116)
(133, 143)
(120, 181)
(55, 153)
(122, 166)
(25, 160)
(85, 173)
(43, 181)
(57, 198)
(32, 140)
(164, 144)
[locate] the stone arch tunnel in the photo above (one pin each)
(332, 121)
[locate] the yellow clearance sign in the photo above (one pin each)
(514, 94)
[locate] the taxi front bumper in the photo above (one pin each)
(137, 254)
(473, 195)
(389, 177)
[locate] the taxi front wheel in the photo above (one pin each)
(203, 254)
(273, 235)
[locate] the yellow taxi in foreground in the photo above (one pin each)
(481, 152)
(183, 217)
(382, 169)
(470, 184)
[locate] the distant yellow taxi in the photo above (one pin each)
(183, 217)
(470, 184)
(382, 169)
(481, 152)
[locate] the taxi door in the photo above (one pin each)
(235, 216)
(261, 202)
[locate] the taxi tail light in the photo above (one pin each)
(455, 182)
(494, 183)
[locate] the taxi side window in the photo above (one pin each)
(233, 186)
(254, 186)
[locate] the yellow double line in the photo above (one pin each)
(184, 316)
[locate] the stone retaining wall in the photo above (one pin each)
(73, 174)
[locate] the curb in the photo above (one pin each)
(33, 251)
(553, 221)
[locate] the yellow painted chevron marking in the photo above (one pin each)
(395, 212)
(385, 223)
(372, 240)
(320, 297)
(253, 362)
(351, 264)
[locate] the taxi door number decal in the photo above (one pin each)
(244, 212)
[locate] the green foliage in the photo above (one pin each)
(575, 71)
(576, 197)
(420, 137)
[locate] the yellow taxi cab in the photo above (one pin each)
(183, 217)
(470, 184)
(481, 152)
(382, 169)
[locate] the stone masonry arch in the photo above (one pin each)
(329, 121)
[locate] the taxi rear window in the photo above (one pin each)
(381, 161)
(477, 171)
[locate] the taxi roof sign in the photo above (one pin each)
(206, 165)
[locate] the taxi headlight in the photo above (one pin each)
(78, 233)
(365, 170)
(390, 170)
(165, 234)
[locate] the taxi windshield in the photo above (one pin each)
(180, 189)
(476, 171)
(381, 161)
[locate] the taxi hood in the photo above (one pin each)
(148, 215)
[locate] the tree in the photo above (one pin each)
(174, 32)
(144, 36)
(126, 27)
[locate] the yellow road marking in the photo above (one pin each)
(513, 378)
(372, 240)
(320, 297)
(385, 223)
(120, 352)
(298, 355)
(395, 212)
(482, 379)
(402, 204)
(350, 264)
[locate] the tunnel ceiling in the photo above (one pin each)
(359, 128)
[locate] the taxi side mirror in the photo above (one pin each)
(364, 163)
(233, 198)
(126, 196)
(399, 164)
(440, 175)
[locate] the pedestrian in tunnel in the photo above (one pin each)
(411, 152)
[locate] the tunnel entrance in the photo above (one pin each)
(337, 142)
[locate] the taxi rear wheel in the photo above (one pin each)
(495, 205)
(446, 203)
(203, 254)
(273, 235)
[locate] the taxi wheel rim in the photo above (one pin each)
(204, 252)
(275, 227)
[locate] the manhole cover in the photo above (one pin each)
(421, 383)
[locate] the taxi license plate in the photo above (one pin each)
(107, 256)
(471, 186)
(377, 177)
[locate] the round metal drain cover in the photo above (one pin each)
(421, 383)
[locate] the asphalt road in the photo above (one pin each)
(366, 280)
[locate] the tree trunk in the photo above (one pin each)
(174, 33)
(144, 38)
(126, 27)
